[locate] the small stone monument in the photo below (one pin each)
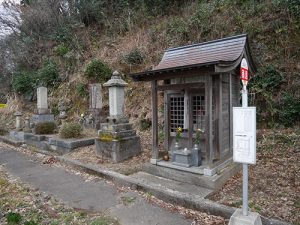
(18, 121)
(43, 113)
(27, 125)
(62, 112)
(117, 139)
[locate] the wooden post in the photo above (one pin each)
(208, 113)
(190, 121)
(219, 103)
(154, 123)
(230, 115)
(166, 121)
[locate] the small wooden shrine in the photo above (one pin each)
(201, 84)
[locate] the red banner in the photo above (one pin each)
(244, 74)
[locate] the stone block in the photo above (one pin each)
(238, 218)
(71, 143)
(34, 137)
(95, 96)
(119, 149)
(116, 127)
(17, 135)
(42, 118)
(182, 158)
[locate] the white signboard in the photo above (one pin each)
(244, 135)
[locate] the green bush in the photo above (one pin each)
(98, 71)
(70, 130)
(267, 79)
(48, 74)
(81, 90)
(177, 31)
(13, 218)
(61, 50)
(159, 7)
(134, 57)
(24, 82)
(289, 110)
(45, 128)
(30, 222)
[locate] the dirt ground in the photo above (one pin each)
(274, 182)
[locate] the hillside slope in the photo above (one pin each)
(134, 40)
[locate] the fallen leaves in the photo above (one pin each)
(274, 182)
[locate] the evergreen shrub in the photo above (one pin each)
(45, 128)
(70, 130)
(98, 70)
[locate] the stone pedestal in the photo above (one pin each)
(42, 118)
(117, 141)
(239, 219)
(182, 158)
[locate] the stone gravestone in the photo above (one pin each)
(42, 100)
(93, 119)
(117, 139)
(95, 96)
(43, 113)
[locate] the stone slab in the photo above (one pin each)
(214, 182)
(11, 141)
(42, 118)
(71, 143)
(34, 137)
(18, 135)
(238, 218)
(173, 185)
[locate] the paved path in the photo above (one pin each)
(93, 195)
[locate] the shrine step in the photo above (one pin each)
(214, 182)
(173, 185)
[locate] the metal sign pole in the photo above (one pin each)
(245, 165)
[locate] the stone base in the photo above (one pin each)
(188, 175)
(118, 142)
(182, 158)
(17, 135)
(63, 146)
(36, 118)
(239, 219)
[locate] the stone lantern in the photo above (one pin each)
(117, 139)
(116, 87)
(18, 120)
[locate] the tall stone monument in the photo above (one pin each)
(43, 113)
(117, 139)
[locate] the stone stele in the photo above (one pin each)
(95, 97)
(42, 100)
